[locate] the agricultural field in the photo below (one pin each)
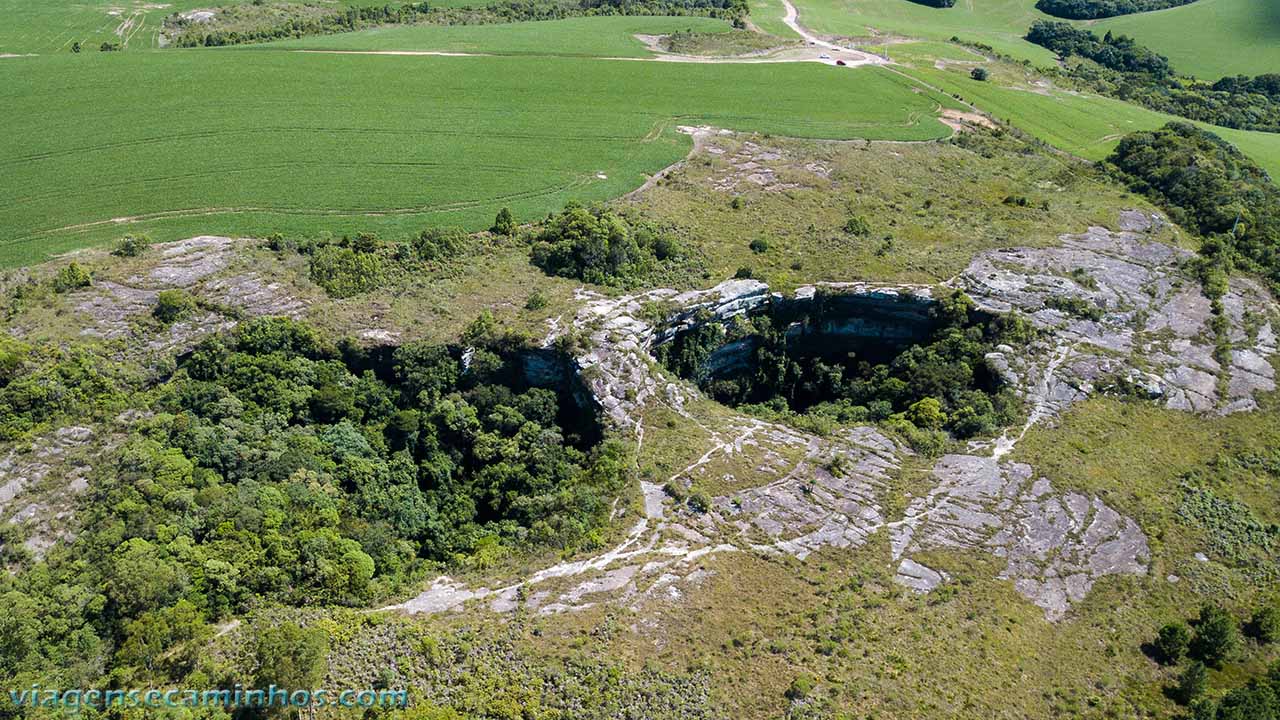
(998, 23)
(53, 26)
(574, 37)
(1085, 125)
(252, 141)
(1209, 38)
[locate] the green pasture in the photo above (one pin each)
(588, 36)
(252, 141)
(998, 23)
(1086, 125)
(1209, 38)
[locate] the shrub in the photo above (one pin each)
(435, 244)
(131, 246)
(800, 688)
(1171, 643)
(504, 223)
(743, 273)
(1265, 625)
(857, 225)
(536, 301)
(980, 74)
(698, 502)
(172, 305)
(343, 272)
(759, 246)
(71, 277)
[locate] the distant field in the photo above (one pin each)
(593, 36)
(253, 141)
(767, 15)
(46, 26)
(1210, 38)
(998, 23)
(1085, 125)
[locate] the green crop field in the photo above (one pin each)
(53, 25)
(1085, 125)
(589, 36)
(998, 23)
(1210, 38)
(252, 141)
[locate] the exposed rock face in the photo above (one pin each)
(38, 485)
(1154, 326)
(202, 266)
(1056, 545)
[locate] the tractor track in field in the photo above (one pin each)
(297, 211)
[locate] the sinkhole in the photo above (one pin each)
(854, 356)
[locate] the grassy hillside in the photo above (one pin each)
(1085, 125)
(998, 23)
(592, 36)
(255, 141)
(1210, 38)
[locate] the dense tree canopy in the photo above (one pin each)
(280, 466)
(603, 247)
(1209, 186)
(1092, 9)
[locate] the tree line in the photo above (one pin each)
(1094, 9)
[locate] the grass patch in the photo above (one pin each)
(1086, 125)
(889, 212)
(998, 23)
(581, 37)
(1208, 38)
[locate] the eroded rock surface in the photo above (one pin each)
(203, 266)
(794, 492)
(1056, 545)
(1150, 325)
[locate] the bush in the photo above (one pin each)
(172, 305)
(536, 301)
(1265, 625)
(743, 273)
(1192, 683)
(800, 688)
(857, 225)
(504, 223)
(131, 246)
(343, 272)
(759, 246)
(71, 277)
(979, 74)
(1171, 643)
(435, 244)
(600, 246)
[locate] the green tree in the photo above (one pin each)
(927, 413)
(290, 656)
(504, 223)
(1192, 683)
(131, 246)
(71, 277)
(1171, 642)
(979, 73)
(1217, 636)
(1265, 625)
